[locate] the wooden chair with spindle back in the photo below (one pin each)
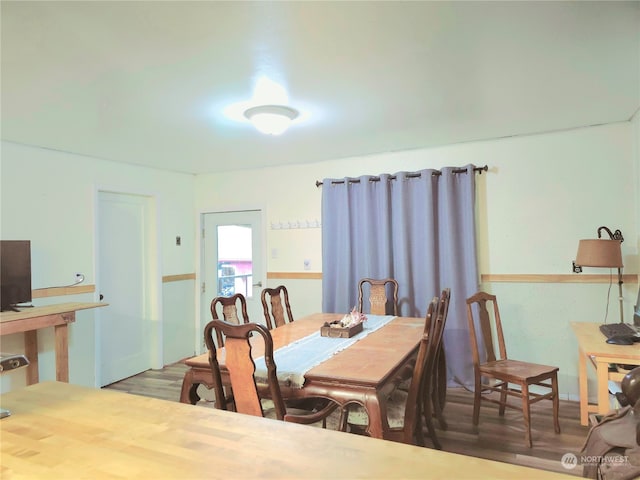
(275, 301)
(378, 299)
(501, 374)
(242, 368)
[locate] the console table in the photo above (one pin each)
(30, 320)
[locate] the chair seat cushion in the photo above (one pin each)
(395, 411)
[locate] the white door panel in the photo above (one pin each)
(124, 331)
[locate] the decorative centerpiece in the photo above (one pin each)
(346, 327)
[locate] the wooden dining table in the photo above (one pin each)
(62, 431)
(365, 373)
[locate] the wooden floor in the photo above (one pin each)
(496, 438)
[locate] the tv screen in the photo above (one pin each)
(15, 273)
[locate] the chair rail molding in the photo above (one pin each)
(554, 278)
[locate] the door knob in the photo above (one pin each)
(259, 284)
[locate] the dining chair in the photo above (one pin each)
(378, 295)
(439, 393)
(430, 387)
(416, 401)
(227, 308)
(501, 374)
(438, 376)
(242, 369)
(275, 301)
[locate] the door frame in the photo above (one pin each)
(198, 340)
(153, 274)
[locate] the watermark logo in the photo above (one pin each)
(569, 461)
(599, 459)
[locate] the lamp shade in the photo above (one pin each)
(599, 253)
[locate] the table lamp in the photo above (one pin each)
(11, 362)
(602, 253)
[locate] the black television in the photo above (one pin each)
(15, 273)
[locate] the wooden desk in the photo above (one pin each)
(594, 349)
(365, 372)
(30, 320)
(57, 430)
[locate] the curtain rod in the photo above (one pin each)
(479, 170)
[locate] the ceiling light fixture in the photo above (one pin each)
(271, 119)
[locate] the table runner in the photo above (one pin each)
(297, 358)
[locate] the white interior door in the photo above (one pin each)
(124, 260)
(232, 260)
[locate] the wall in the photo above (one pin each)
(541, 195)
(636, 153)
(48, 197)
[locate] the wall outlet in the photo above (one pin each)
(307, 264)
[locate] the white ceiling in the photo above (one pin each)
(147, 82)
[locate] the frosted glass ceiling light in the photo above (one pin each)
(271, 119)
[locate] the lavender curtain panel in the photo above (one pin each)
(418, 228)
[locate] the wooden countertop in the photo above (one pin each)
(57, 430)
